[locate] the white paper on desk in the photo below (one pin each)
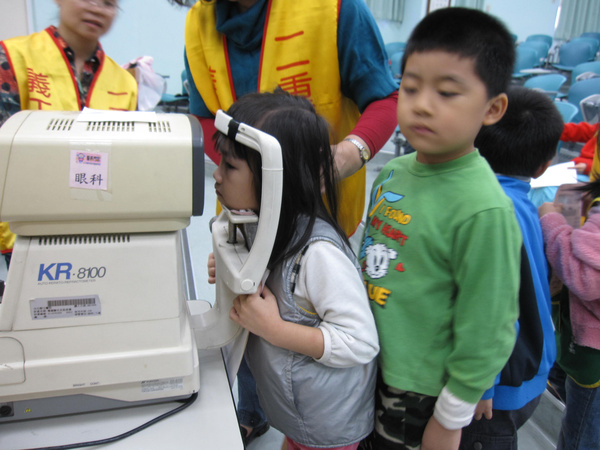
(556, 175)
(98, 115)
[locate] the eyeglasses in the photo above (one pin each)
(109, 5)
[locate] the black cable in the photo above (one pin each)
(185, 404)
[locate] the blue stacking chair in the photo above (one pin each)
(390, 49)
(541, 47)
(590, 66)
(567, 110)
(395, 64)
(591, 34)
(581, 90)
(572, 53)
(594, 43)
(171, 102)
(540, 37)
(550, 83)
(526, 58)
(394, 47)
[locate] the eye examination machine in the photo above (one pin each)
(97, 313)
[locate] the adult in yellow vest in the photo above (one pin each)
(328, 50)
(595, 172)
(63, 68)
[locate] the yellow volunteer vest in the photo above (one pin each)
(299, 54)
(7, 239)
(46, 81)
(595, 165)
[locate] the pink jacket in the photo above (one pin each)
(574, 255)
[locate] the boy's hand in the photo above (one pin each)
(212, 269)
(484, 409)
(548, 207)
(258, 313)
(436, 437)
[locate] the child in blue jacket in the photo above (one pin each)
(518, 147)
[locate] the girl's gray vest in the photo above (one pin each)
(313, 404)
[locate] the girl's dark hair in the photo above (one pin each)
(308, 164)
(591, 189)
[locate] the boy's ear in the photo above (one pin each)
(496, 109)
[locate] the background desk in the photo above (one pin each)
(210, 423)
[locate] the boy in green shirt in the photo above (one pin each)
(441, 249)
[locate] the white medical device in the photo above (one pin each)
(96, 309)
(239, 270)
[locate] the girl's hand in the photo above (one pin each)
(548, 207)
(258, 313)
(212, 269)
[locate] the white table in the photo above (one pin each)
(210, 423)
(538, 71)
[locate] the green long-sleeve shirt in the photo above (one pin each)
(441, 258)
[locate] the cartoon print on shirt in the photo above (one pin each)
(385, 221)
(377, 197)
(378, 260)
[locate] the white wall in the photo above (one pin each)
(521, 17)
(414, 11)
(524, 18)
(17, 22)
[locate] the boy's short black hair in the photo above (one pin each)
(525, 138)
(468, 33)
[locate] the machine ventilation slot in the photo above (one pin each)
(85, 239)
(111, 126)
(60, 125)
(159, 127)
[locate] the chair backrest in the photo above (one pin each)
(567, 110)
(540, 37)
(591, 34)
(526, 58)
(548, 83)
(581, 90)
(541, 47)
(394, 47)
(594, 43)
(590, 66)
(185, 90)
(395, 63)
(572, 53)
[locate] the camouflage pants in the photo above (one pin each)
(400, 419)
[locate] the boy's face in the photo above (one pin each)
(234, 184)
(442, 104)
